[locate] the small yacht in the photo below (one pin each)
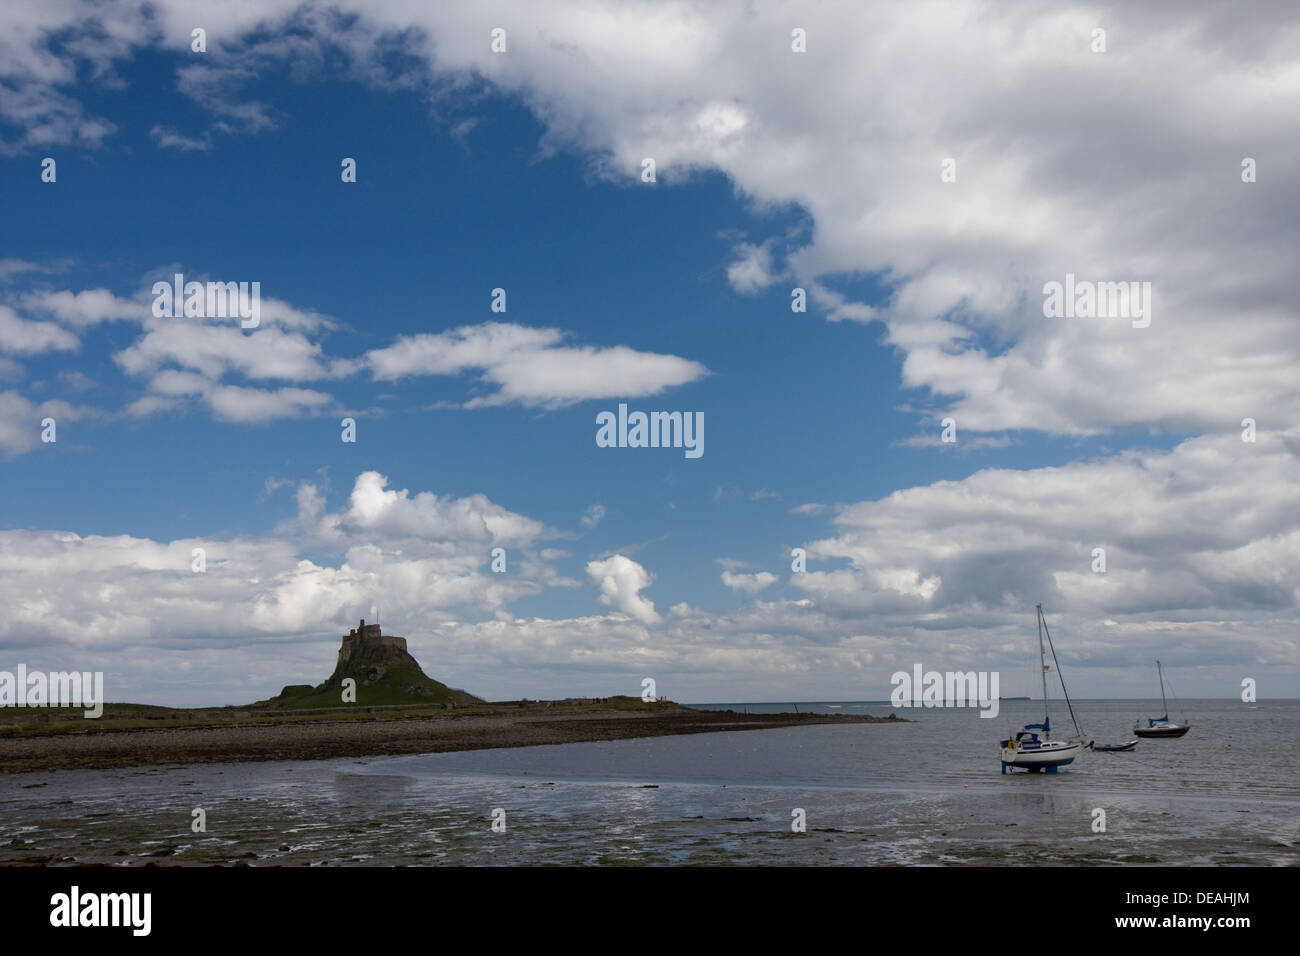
(1033, 748)
(1161, 726)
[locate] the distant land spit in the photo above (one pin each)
(398, 709)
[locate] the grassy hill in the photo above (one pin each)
(399, 685)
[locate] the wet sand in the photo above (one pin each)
(324, 738)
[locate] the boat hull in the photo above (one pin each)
(1116, 748)
(1047, 757)
(1158, 732)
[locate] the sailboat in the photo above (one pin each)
(1161, 726)
(1030, 749)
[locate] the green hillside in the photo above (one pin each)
(398, 685)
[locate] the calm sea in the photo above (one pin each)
(924, 792)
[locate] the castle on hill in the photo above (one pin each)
(384, 671)
(368, 654)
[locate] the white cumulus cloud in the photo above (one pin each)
(620, 580)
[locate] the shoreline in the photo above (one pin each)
(253, 740)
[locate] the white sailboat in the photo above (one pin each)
(1033, 748)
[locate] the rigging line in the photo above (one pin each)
(1061, 675)
(1171, 690)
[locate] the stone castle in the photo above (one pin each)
(367, 655)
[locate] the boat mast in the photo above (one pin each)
(1042, 663)
(1162, 688)
(1059, 673)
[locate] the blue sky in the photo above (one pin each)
(821, 428)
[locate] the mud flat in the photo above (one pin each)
(317, 735)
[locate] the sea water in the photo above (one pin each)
(928, 791)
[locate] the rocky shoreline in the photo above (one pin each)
(320, 739)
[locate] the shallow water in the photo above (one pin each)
(924, 792)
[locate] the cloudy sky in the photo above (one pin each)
(919, 170)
